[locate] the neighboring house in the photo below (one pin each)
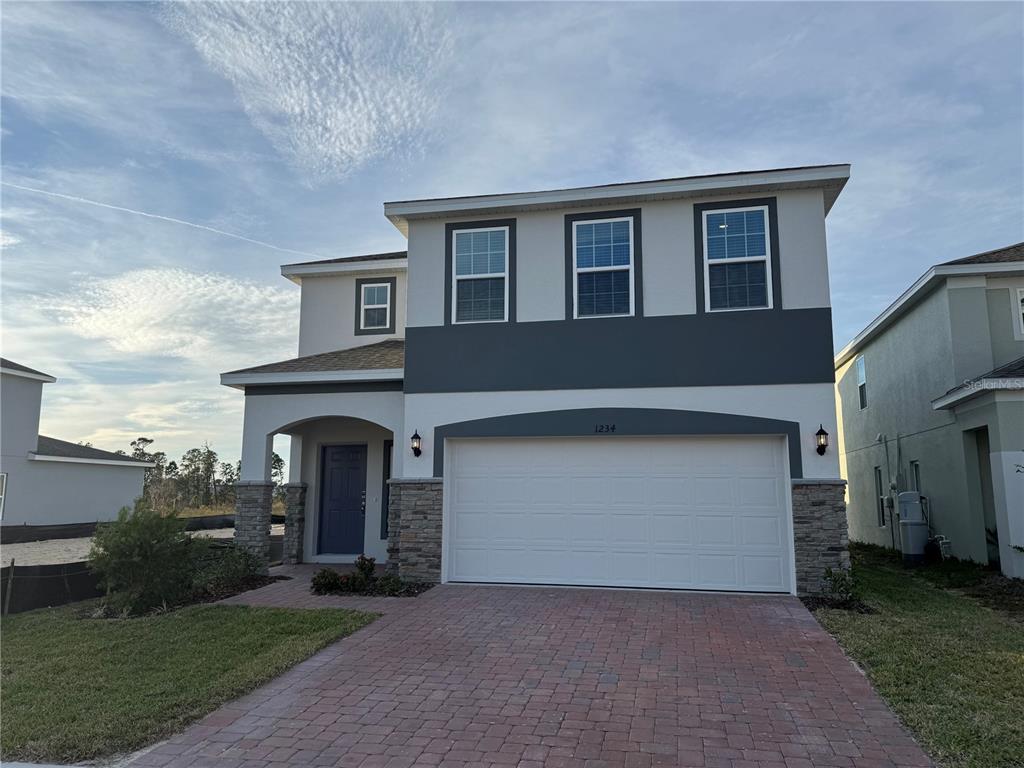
(939, 378)
(50, 482)
(615, 385)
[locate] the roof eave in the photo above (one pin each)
(36, 456)
(975, 389)
(43, 377)
(241, 380)
(915, 293)
(295, 273)
(831, 178)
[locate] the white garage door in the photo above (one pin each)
(682, 513)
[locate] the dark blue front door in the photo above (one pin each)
(342, 499)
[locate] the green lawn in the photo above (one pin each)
(75, 688)
(948, 665)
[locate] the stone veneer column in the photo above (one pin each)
(820, 533)
(294, 521)
(253, 499)
(414, 528)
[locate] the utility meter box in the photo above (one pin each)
(913, 528)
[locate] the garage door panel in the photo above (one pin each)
(701, 513)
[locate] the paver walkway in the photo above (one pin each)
(531, 677)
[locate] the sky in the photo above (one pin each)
(161, 161)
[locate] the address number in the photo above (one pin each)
(604, 428)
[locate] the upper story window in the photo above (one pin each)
(375, 305)
(862, 382)
(480, 281)
(737, 259)
(603, 261)
(1018, 307)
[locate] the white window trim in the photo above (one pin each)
(1016, 297)
(860, 366)
(3, 493)
(456, 277)
(576, 270)
(363, 306)
(767, 259)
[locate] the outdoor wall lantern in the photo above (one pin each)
(822, 437)
(417, 444)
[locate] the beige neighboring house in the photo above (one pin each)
(939, 376)
(49, 482)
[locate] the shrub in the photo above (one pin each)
(365, 566)
(142, 560)
(326, 582)
(390, 585)
(356, 582)
(219, 568)
(840, 588)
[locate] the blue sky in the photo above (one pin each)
(289, 124)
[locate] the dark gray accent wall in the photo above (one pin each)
(252, 390)
(773, 240)
(360, 282)
(582, 422)
(570, 257)
(716, 349)
(448, 265)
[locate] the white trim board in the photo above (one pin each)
(44, 377)
(238, 380)
(79, 460)
(380, 266)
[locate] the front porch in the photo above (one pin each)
(341, 411)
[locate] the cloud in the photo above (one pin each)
(7, 240)
(331, 85)
(211, 322)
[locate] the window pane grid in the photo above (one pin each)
(480, 271)
(736, 259)
(603, 264)
(479, 299)
(376, 306)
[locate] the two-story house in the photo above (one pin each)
(620, 385)
(931, 396)
(50, 487)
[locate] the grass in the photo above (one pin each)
(948, 664)
(76, 688)
(223, 509)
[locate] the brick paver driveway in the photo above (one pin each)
(519, 676)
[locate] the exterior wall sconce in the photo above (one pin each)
(821, 436)
(417, 444)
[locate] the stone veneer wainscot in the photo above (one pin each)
(821, 538)
(414, 528)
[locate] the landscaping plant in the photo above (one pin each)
(364, 581)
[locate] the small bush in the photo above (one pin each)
(366, 565)
(326, 582)
(220, 568)
(356, 582)
(390, 585)
(841, 588)
(142, 560)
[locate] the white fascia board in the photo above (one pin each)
(921, 287)
(296, 273)
(400, 212)
(974, 389)
(241, 380)
(78, 460)
(43, 377)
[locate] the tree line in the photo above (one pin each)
(197, 479)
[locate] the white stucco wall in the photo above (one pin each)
(807, 404)
(19, 414)
(57, 493)
(327, 314)
(669, 259)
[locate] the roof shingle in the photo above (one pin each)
(51, 446)
(995, 256)
(382, 355)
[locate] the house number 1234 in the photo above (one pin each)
(604, 427)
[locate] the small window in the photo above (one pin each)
(1018, 310)
(480, 275)
(915, 476)
(737, 259)
(603, 266)
(880, 497)
(862, 383)
(376, 312)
